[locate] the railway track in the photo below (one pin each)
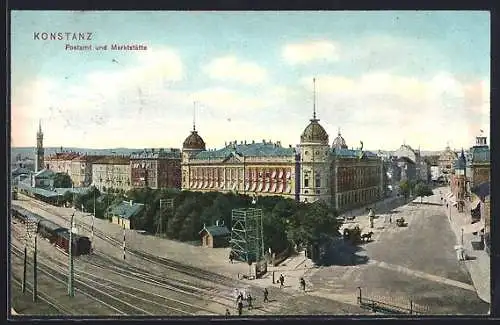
(145, 256)
(132, 299)
(59, 281)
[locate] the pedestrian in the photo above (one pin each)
(303, 284)
(266, 294)
(240, 308)
(282, 281)
(249, 299)
(240, 297)
(227, 312)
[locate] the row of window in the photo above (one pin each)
(356, 197)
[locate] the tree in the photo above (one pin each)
(62, 180)
(422, 190)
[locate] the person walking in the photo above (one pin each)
(303, 284)
(266, 294)
(249, 299)
(282, 281)
(240, 308)
(227, 312)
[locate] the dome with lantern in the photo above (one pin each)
(339, 142)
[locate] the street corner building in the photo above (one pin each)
(156, 168)
(313, 170)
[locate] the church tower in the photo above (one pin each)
(39, 152)
(314, 161)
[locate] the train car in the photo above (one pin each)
(24, 215)
(81, 244)
(49, 230)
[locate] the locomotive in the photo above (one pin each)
(53, 232)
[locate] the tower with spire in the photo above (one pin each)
(314, 157)
(191, 146)
(39, 151)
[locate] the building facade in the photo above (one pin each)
(156, 168)
(81, 170)
(61, 162)
(111, 173)
(40, 152)
(480, 165)
(458, 181)
(446, 161)
(312, 171)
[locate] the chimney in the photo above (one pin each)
(245, 141)
(253, 141)
(241, 142)
(263, 141)
(131, 202)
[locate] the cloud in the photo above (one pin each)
(230, 68)
(384, 109)
(300, 53)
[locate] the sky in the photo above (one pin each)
(384, 78)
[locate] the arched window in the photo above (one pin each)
(306, 180)
(318, 179)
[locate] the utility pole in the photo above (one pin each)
(92, 229)
(35, 284)
(71, 289)
(123, 241)
(23, 285)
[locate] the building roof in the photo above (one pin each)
(480, 154)
(37, 190)
(45, 173)
(248, 150)
(314, 133)
(20, 171)
(113, 160)
(216, 231)
(339, 142)
(157, 153)
(460, 162)
(88, 158)
(406, 160)
(126, 210)
(194, 141)
(52, 226)
(353, 153)
(63, 156)
(73, 190)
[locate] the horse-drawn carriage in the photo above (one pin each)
(400, 222)
(355, 236)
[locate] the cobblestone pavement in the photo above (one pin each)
(416, 262)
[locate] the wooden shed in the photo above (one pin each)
(215, 236)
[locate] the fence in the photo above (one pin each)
(391, 305)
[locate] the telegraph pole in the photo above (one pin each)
(71, 289)
(123, 241)
(92, 229)
(35, 284)
(23, 285)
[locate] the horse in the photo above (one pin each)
(367, 237)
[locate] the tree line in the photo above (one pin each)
(285, 222)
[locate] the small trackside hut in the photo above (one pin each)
(216, 236)
(124, 213)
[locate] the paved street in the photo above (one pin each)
(417, 262)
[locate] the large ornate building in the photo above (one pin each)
(156, 168)
(312, 171)
(61, 162)
(81, 170)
